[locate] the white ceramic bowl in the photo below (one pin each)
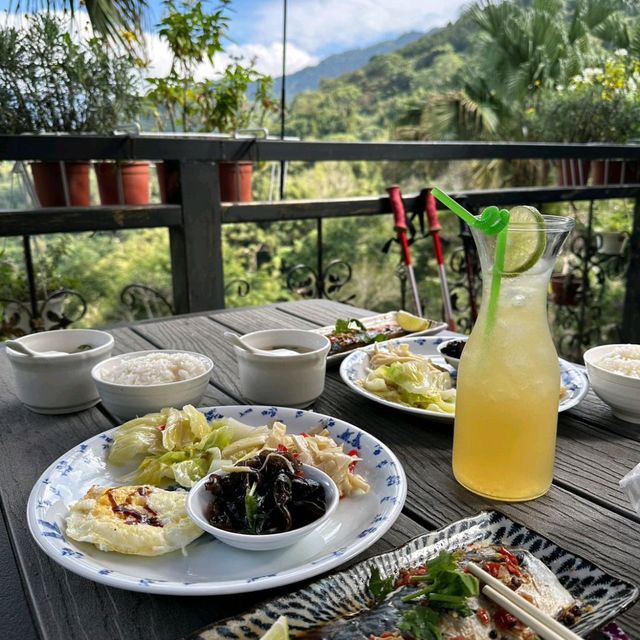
(454, 362)
(290, 380)
(199, 498)
(59, 384)
(126, 401)
(620, 392)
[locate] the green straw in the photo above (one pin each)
(496, 277)
(493, 221)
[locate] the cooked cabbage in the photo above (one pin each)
(397, 375)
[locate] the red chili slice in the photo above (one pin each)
(483, 616)
(493, 568)
(510, 557)
(353, 453)
(282, 449)
(504, 619)
(162, 427)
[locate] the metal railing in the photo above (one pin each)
(194, 214)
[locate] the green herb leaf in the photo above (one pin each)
(378, 587)
(444, 562)
(351, 325)
(444, 586)
(422, 623)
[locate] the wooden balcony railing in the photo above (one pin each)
(195, 214)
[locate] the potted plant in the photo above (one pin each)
(236, 98)
(49, 83)
(116, 97)
(602, 104)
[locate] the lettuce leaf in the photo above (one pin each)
(137, 439)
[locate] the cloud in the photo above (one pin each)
(268, 57)
(315, 24)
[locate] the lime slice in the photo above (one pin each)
(279, 630)
(411, 323)
(526, 240)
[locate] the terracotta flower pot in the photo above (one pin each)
(572, 172)
(135, 182)
(47, 178)
(235, 181)
(565, 289)
(615, 171)
(167, 182)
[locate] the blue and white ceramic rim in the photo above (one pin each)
(384, 471)
(354, 365)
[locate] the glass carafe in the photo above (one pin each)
(509, 376)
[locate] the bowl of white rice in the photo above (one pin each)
(614, 374)
(141, 382)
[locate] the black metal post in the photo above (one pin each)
(31, 280)
(319, 258)
(283, 92)
(631, 313)
(584, 292)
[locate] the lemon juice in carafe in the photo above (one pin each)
(508, 387)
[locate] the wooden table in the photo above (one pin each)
(584, 511)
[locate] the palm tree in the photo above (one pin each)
(119, 21)
(521, 50)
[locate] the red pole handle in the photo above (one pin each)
(397, 207)
(432, 212)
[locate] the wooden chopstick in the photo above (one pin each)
(542, 623)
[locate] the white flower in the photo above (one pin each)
(621, 52)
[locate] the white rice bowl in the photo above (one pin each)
(134, 384)
(623, 359)
(154, 368)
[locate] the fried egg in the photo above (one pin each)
(139, 520)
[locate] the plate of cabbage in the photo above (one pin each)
(112, 508)
(410, 374)
(407, 374)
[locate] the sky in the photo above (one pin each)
(315, 28)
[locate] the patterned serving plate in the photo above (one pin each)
(354, 368)
(211, 567)
(345, 592)
(435, 326)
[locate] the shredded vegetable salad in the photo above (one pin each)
(397, 375)
(181, 446)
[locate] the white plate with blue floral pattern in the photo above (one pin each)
(355, 368)
(211, 567)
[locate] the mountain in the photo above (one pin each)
(366, 103)
(340, 63)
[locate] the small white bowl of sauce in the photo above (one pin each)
(294, 380)
(55, 384)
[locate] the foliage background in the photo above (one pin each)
(437, 87)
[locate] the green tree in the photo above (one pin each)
(521, 50)
(120, 21)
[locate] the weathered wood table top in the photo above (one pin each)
(584, 511)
